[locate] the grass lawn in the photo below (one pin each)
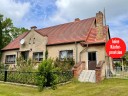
(110, 87)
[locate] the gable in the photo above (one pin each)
(33, 41)
(15, 44)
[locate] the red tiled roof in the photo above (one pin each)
(69, 32)
(65, 33)
(93, 33)
(15, 44)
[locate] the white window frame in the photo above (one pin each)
(66, 55)
(10, 59)
(38, 57)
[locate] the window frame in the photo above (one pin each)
(38, 56)
(9, 57)
(69, 52)
(92, 56)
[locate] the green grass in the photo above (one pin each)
(110, 87)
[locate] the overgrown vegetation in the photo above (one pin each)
(65, 64)
(1, 66)
(25, 65)
(46, 54)
(46, 74)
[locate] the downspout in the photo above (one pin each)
(85, 49)
(76, 52)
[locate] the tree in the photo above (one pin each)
(7, 28)
(125, 59)
(1, 35)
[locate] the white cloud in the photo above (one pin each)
(116, 13)
(38, 12)
(14, 10)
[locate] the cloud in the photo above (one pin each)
(116, 14)
(14, 10)
(44, 13)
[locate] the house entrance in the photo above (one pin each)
(24, 54)
(91, 60)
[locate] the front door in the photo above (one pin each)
(25, 54)
(91, 60)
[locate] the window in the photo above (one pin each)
(10, 59)
(92, 56)
(38, 56)
(66, 54)
(25, 54)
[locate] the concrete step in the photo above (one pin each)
(87, 76)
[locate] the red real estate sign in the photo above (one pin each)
(115, 48)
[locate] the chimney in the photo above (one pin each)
(77, 19)
(99, 18)
(33, 27)
(99, 25)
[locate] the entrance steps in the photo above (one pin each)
(87, 76)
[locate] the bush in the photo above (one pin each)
(25, 65)
(117, 64)
(65, 64)
(46, 74)
(1, 66)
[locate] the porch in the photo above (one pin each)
(84, 75)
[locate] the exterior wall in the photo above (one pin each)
(53, 51)
(100, 53)
(34, 42)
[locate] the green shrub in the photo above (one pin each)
(25, 65)
(46, 74)
(46, 54)
(65, 64)
(1, 66)
(117, 64)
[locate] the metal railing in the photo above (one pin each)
(120, 72)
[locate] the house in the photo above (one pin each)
(83, 40)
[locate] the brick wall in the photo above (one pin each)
(99, 71)
(77, 69)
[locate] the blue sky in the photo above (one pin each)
(44, 13)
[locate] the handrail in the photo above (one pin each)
(100, 73)
(77, 69)
(78, 64)
(100, 64)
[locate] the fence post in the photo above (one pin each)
(5, 75)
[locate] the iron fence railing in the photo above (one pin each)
(120, 72)
(30, 77)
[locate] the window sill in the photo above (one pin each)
(9, 62)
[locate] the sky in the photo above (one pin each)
(44, 13)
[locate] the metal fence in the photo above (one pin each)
(120, 72)
(30, 77)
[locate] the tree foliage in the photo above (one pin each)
(46, 74)
(0, 35)
(7, 28)
(125, 59)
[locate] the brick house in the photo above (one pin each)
(83, 40)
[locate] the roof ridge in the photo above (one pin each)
(65, 23)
